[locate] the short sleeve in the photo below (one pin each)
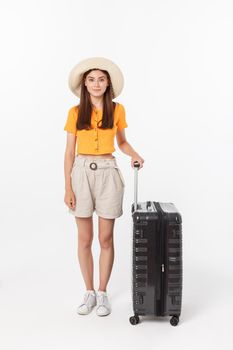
(121, 122)
(70, 125)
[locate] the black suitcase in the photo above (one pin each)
(157, 271)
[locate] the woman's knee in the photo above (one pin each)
(85, 242)
(106, 241)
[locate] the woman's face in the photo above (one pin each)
(96, 82)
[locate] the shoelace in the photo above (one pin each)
(86, 296)
(101, 299)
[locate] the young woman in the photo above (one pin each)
(93, 180)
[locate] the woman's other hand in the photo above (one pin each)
(69, 199)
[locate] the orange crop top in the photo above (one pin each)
(96, 140)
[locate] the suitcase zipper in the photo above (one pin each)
(161, 230)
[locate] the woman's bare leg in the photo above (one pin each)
(85, 238)
(106, 227)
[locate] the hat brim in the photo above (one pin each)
(76, 74)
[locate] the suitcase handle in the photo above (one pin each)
(136, 166)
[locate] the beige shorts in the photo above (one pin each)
(98, 186)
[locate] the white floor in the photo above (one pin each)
(38, 311)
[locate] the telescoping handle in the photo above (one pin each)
(136, 166)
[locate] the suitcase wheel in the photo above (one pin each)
(174, 320)
(134, 319)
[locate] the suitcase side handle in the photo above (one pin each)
(136, 166)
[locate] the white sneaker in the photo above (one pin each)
(103, 305)
(88, 303)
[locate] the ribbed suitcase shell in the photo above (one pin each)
(157, 275)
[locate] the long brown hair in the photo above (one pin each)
(85, 106)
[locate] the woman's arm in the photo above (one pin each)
(69, 159)
(126, 148)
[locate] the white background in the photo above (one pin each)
(176, 57)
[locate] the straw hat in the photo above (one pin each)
(75, 76)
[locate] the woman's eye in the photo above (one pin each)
(93, 79)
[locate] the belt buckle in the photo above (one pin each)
(93, 166)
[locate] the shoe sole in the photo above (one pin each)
(103, 314)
